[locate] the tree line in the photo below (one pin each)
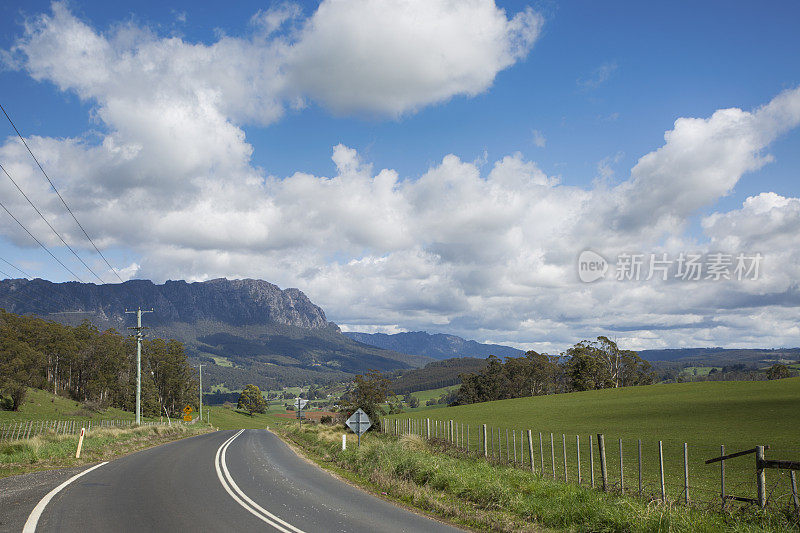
(85, 364)
(435, 375)
(588, 365)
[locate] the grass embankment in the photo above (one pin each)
(48, 451)
(44, 405)
(226, 418)
(705, 415)
(469, 491)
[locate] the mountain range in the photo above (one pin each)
(247, 331)
(438, 345)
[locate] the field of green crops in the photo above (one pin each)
(705, 415)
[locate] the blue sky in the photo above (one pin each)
(593, 88)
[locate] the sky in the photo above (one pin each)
(526, 173)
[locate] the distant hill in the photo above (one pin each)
(249, 331)
(723, 356)
(438, 346)
(436, 375)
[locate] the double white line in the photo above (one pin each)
(241, 498)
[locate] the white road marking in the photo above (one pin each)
(33, 519)
(240, 497)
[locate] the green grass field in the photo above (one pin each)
(425, 395)
(699, 370)
(224, 418)
(43, 405)
(705, 415)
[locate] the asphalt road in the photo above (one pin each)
(224, 481)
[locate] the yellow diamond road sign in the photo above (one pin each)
(187, 413)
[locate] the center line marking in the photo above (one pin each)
(230, 486)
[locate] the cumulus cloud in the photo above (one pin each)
(700, 162)
(485, 252)
(394, 57)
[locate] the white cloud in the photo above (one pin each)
(700, 162)
(599, 76)
(487, 254)
(539, 139)
(394, 57)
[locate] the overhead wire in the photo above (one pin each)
(15, 267)
(59, 195)
(46, 249)
(50, 225)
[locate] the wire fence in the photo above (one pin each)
(30, 428)
(668, 469)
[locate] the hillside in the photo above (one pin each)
(437, 346)
(246, 330)
(723, 356)
(705, 415)
(436, 375)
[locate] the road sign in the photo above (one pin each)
(299, 403)
(359, 422)
(188, 409)
(187, 418)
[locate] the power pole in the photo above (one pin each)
(201, 392)
(138, 336)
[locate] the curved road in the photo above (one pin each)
(229, 480)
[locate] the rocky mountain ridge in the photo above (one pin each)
(237, 302)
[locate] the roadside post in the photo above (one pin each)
(80, 444)
(299, 403)
(359, 422)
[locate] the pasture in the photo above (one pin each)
(705, 415)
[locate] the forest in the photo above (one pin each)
(87, 365)
(435, 375)
(588, 365)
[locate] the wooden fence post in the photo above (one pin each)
(661, 471)
(485, 451)
(578, 455)
(467, 441)
(508, 452)
(553, 455)
(760, 477)
(591, 459)
(601, 444)
(515, 446)
(794, 492)
(686, 472)
(428, 428)
(530, 450)
(640, 466)
(621, 470)
(564, 449)
(722, 473)
(541, 453)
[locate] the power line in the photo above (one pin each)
(16, 268)
(59, 195)
(40, 243)
(50, 225)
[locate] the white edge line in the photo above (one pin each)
(33, 519)
(227, 483)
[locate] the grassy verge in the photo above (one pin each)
(50, 451)
(468, 491)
